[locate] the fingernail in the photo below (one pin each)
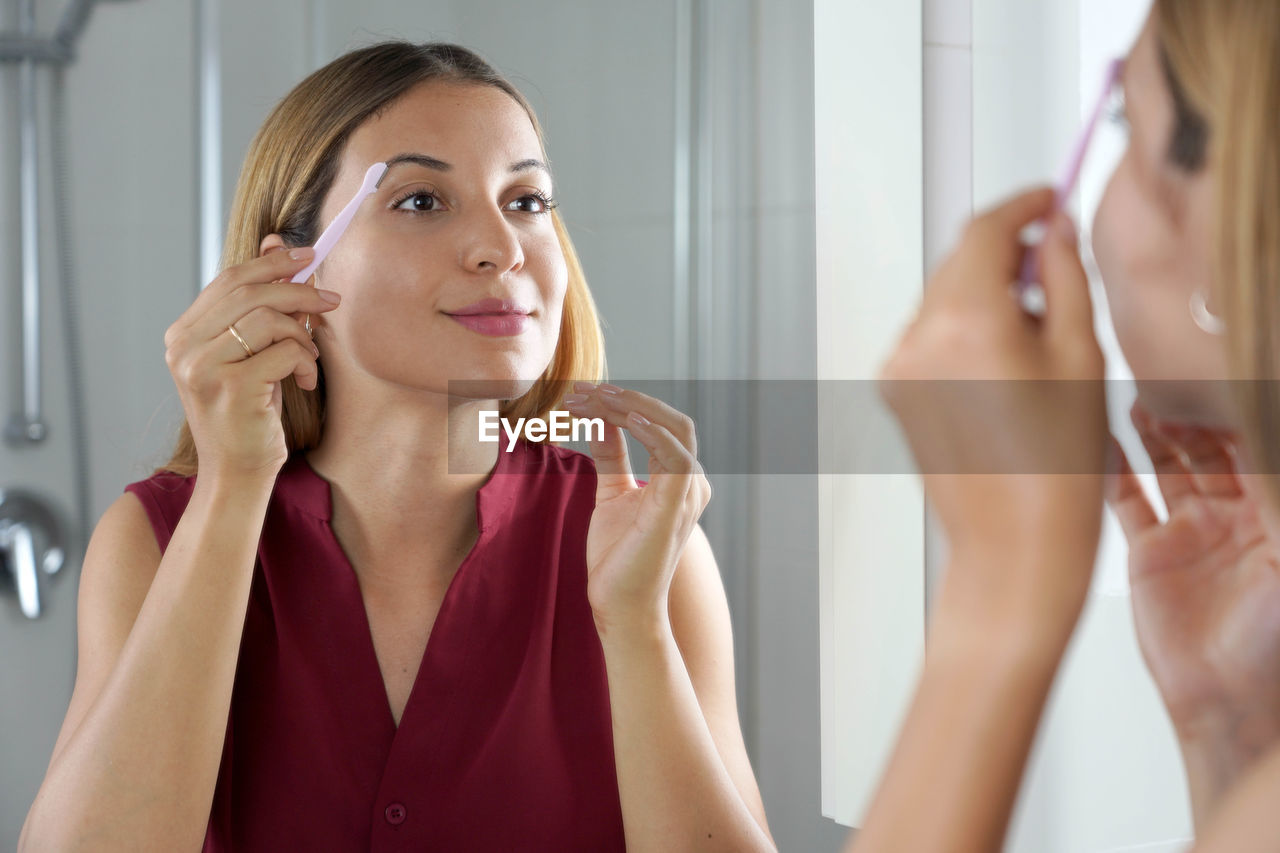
(329, 296)
(575, 399)
(611, 389)
(638, 418)
(302, 253)
(584, 387)
(315, 349)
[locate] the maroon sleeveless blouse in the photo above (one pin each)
(506, 741)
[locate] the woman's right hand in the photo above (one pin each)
(1006, 419)
(232, 399)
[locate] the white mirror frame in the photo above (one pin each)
(868, 91)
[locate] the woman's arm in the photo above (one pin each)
(137, 758)
(955, 773)
(683, 773)
(136, 761)
(660, 610)
(1247, 820)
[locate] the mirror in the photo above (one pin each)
(681, 134)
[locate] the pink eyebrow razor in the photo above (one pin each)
(330, 236)
(1029, 276)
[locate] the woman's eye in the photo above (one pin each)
(531, 204)
(422, 202)
(1117, 113)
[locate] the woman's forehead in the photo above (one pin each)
(456, 119)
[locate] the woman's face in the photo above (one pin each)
(451, 270)
(1151, 239)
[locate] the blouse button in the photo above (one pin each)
(396, 813)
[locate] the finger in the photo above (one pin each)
(261, 328)
(264, 268)
(613, 465)
(993, 241)
(587, 405)
(286, 298)
(1209, 457)
(1127, 499)
(1172, 475)
(654, 410)
(310, 281)
(614, 474)
(672, 467)
(1019, 211)
(280, 360)
(1066, 286)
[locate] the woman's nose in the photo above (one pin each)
(493, 245)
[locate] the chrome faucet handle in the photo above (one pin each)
(30, 544)
(16, 540)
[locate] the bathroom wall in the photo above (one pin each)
(132, 232)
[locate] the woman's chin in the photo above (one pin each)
(489, 389)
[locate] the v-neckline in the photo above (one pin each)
(492, 499)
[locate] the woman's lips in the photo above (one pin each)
(493, 317)
(496, 325)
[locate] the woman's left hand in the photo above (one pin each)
(1205, 584)
(638, 533)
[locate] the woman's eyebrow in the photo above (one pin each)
(438, 165)
(423, 160)
(531, 163)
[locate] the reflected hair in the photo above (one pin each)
(291, 165)
(1222, 58)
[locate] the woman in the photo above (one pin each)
(1189, 225)
(359, 627)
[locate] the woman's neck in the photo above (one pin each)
(404, 467)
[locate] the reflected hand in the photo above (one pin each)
(638, 533)
(1206, 594)
(230, 387)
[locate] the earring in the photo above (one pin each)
(307, 326)
(1206, 320)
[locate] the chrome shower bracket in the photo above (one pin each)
(59, 49)
(28, 51)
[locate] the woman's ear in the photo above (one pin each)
(271, 243)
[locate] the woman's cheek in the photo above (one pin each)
(1143, 272)
(555, 283)
(1109, 247)
(555, 314)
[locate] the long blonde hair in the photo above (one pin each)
(289, 168)
(1222, 58)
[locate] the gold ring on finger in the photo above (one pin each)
(247, 349)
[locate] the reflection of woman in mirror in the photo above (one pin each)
(1186, 237)
(333, 640)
